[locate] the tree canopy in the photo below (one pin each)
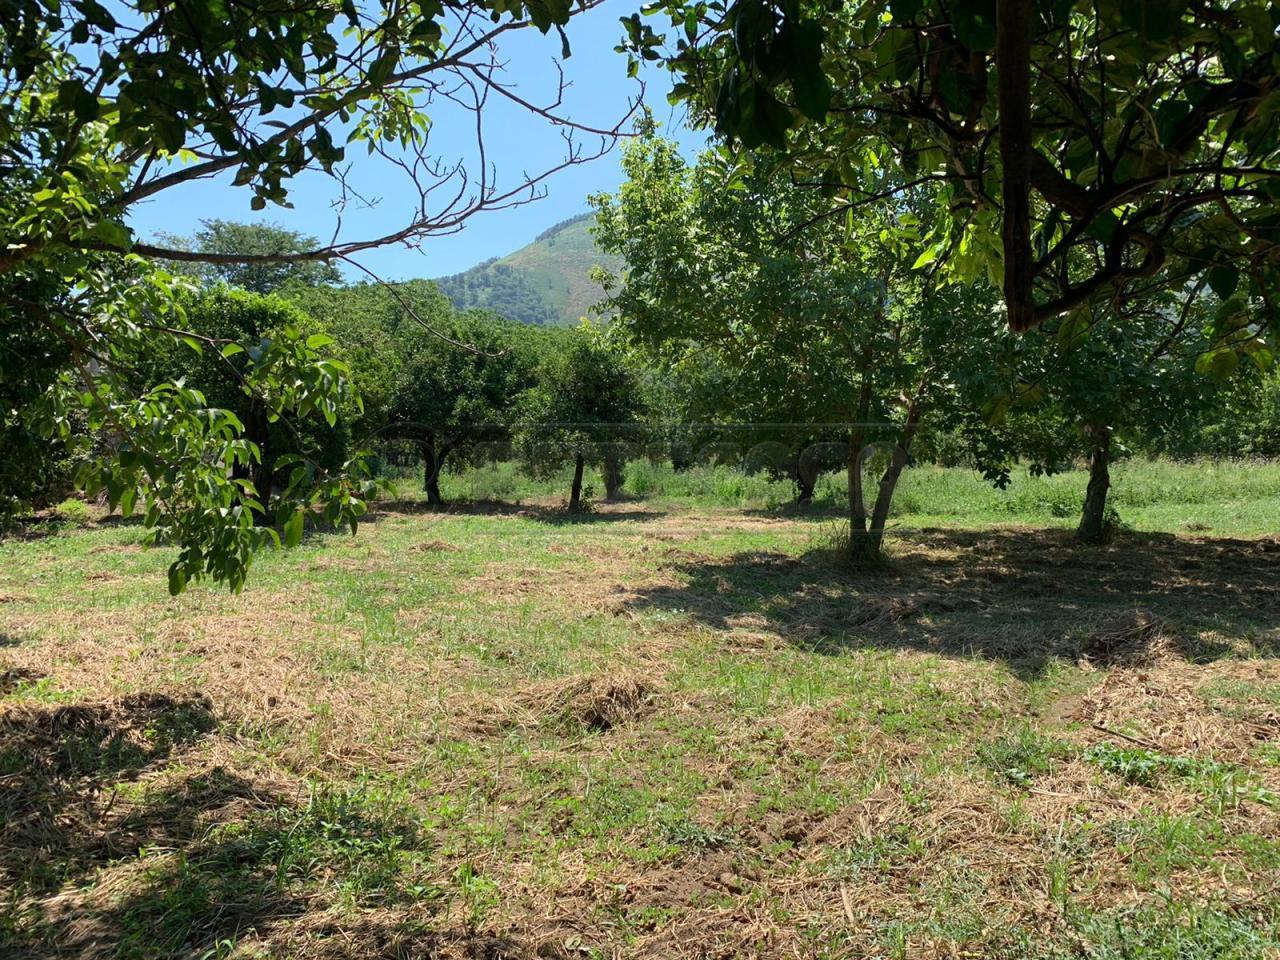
(103, 107)
(831, 337)
(1087, 151)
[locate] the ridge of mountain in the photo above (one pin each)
(547, 281)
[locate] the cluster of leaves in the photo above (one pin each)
(1137, 157)
(104, 106)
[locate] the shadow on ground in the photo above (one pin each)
(551, 513)
(75, 799)
(1020, 596)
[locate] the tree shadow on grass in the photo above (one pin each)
(72, 804)
(120, 837)
(60, 767)
(1020, 596)
(557, 514)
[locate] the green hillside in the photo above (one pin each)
(548, 281)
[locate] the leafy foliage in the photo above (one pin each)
(240, 244)
(1137, 156)
(831, 341)
(585, 408)
(103, 107)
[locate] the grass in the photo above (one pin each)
(1218, 497)
(669, 728)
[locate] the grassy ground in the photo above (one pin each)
(664, 730)
(1223, 497)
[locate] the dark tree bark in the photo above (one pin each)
(611, 469)
(257, 430)
(432, 463)
(1093, 519)
(804, 488)
(575, 493)
(866, 543)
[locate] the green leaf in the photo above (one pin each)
(929, 255)
(1223, 279)
(1152, 19)
(1103, 227)
(1217, 364)
(293, 529)
(974, 23)
(1075, 327)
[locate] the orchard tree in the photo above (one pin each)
(1102, 388)
(461, 402)
(222, 316)
(822, 319)
(584, 409)
(1088, 152)
(103, 107)
(442, 379)
(229, 239)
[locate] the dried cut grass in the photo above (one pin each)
(1135, 638)
(878, 611)
(1167, 708)
(593, 701)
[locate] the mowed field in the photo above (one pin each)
(676, 727)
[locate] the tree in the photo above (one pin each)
(1107, 387)
(821, 322)
(102, 108)
(444, 379)
(581, 410)
(227, 238)
(1122, 148)
(34, 471)
(228, 316)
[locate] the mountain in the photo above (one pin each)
(548, 281)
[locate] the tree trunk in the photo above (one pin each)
(857, 502)
(260, 474)
(432, 462)
(1093, 520)
(611, 468)
(804, 488)
(871, 543)
(575, 494)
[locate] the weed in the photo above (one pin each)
(1018, 759)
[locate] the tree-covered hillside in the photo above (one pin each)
(548, 281)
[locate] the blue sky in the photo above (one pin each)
(516, 141)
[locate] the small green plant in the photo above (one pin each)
(684, 832)
(1224, 784)
(478, 892)
(1023, 756)
(72, 512)
(361, 838)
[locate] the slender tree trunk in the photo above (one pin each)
(889, 481)
(575, 494)
(857, 501)
(432, 463)
(1014, 28)
(1093, 519)
(611, 468)
(804, 488)
(868, 546)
